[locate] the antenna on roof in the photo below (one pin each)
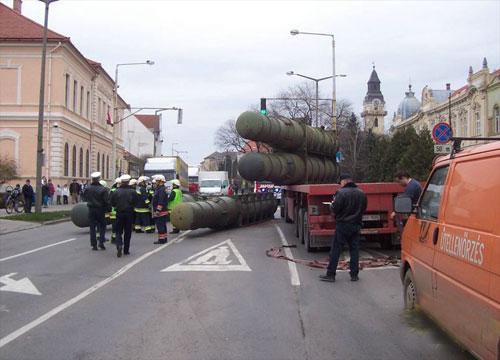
(373, 64)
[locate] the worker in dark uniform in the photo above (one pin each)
(112, 213)
(151, 193)
(142, 209)
(413, 189)
(160, 209)
(124, 199)
(98, 202)
(174, 199)
(348, 205)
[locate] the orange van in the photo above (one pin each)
(450, 248)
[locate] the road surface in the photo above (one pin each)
(207, 295)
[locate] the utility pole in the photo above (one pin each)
(41, 107)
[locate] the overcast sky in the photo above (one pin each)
(216, 58)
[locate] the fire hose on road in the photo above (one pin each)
(364, 262)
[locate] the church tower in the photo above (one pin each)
(374, 105)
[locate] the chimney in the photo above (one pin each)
(448, 86)
(17, 6)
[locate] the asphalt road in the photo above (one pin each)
(228, 302)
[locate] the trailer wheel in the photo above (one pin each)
(307, 234)
(386, 243)
(287, 218)
(409, 291)
(297, 222)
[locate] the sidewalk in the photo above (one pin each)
(51, 208)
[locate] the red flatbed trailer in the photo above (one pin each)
(308, 206)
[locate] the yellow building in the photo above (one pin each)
(78, 104)
(474, 107)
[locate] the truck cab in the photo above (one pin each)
(213, 183)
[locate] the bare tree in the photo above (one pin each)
(8, 169)
(228, 139)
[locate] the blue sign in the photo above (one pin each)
(441, 133)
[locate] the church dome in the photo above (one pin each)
(409, 105)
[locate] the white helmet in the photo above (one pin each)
(141, 179)
(132, 182)
(160, 178)
(95, 175)
(118, 181)
(103, 183)
(176, 182)
(125, 178)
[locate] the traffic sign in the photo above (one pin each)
(441, 133)
(442, 149)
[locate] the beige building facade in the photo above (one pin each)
(78, 104)
(474, 107)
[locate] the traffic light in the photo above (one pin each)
(263, 108)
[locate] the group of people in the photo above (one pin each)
(348, 206)
(137, 204)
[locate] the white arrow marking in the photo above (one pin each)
(215, 258)
(23, 285)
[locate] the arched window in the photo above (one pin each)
(107, 166)
(375, 123)
(102, 164)
(496, 115)
(73, 163)
(478, 123)
(66, 159)
(80, 167)
(98, 161)
(87, 164)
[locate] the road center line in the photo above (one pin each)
(294, 274)
(23, 330)
(37, 249)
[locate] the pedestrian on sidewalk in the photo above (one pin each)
(28, 193)
(124, 199)
(98, 203)
(348, 205)
(58, 194)
(74, 190)
(160, 209)
(45, 192)
(65, 194)
(52, 191)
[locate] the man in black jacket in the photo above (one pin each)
(98, 203)
(348, 205)
(28, 192)
(124, 200)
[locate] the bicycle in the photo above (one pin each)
(15, 201)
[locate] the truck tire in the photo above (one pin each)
(296, 222)
(409, 291)
(386, 243)
(287, 218)
(307, 234)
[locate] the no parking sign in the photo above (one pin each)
(441, 133)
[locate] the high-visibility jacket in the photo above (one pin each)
(160, 201)
(112, 214)
(143, 201)
(174, 199)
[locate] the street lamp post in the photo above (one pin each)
(334, 91)
(291, 73)
(115, 113)
(41, 106)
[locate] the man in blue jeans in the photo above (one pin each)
(348, 205)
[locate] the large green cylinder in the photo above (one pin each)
(80, 215)
(286, 168)
(285, 134)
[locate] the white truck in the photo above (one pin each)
(172, 167)
(213, 183)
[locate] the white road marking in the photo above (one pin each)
(294, 274)
(24, 285)
(37, 249)
(214, 258)
(23, 330)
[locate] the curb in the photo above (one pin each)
(52, 222)
(35, 225)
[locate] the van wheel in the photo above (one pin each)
(409, 291)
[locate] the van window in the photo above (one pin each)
(431, 199)
(473, 188)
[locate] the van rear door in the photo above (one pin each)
(423, 246)
(465, 262)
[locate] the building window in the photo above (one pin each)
(99, 106)
(87, 110)
(66, 159)
(87, 164)
(75, 94)
(98, 161)
(81, 163)
(107, 166)
(478, 123)
(66, 93)
(102, 164)
(73, 162)
(496, 114)
(375, 123)
(81, 100)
